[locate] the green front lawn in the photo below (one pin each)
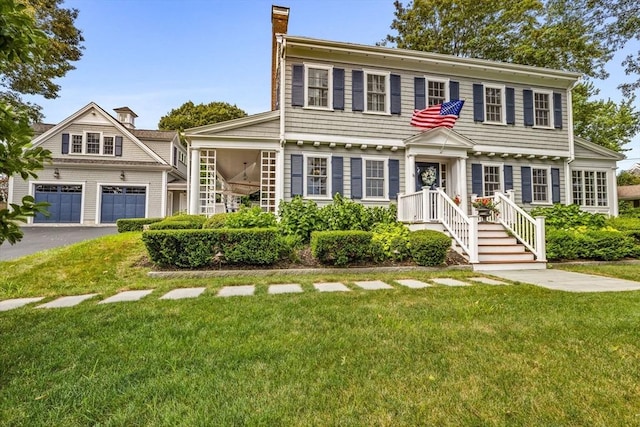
(479, 355)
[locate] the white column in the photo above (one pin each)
(194, 182)
(409, 174)
(462, 183)
(613, 192)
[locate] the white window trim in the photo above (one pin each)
(102, 145)
(582, 170)
(503, 101)
(428, 79)
(84, 144)
(71, 152)
(549, 187)
(86, 141)
(387, 98)
(329, 69)
(551, 114)
(385, 190)
(328, 196)
(500, 173)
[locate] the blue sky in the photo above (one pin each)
(155, 55)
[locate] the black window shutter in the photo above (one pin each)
(525, 174)
(394, 178)
(396, 97)
(476, 179)
(175, 156)
(555, 185)
(557, 110)
(357, 90)
(454, 91)
(65, 143)
(337, 176)
(338, 89)
(118, 150)
(478, 102)
(508, 177)
(527, 99)
(419, 85)
(511, 105)
(297, 86)
(296, 175)
(356, 178)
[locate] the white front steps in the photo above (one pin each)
(497, 250)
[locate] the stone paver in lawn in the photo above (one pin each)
(126, 296)
(183, 293)
(414, 284)
(331, 287)
(289, 288)
(372, 285)
(10, 304)
(67, 301)
(487, 281)
(448, 282)
(236, 291)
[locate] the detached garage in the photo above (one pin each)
(122, 202)
(65, 203)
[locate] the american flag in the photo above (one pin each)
(441, 115)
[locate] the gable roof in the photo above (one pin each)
(234, 124)
(448, 136)
(599, 152)
(92, 105)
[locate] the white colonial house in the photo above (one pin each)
(104, 169)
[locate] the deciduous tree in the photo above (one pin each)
(190, 115)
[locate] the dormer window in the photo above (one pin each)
(92, 144)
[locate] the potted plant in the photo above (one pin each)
(485, 207)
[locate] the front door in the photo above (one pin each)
(427, 175)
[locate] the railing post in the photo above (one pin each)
(439, 206)
(511, 194)
(474, 211)
(473, 239)
(426, 214)
(400, 207)
(541, 246)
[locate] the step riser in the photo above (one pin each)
(512, 266)
(490, 227)
(502, 257)
(497, 241)
(514, 249)
(491, 234)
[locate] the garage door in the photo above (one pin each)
(122, 202)
(65, 203)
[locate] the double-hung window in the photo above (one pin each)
(76, 144)
(540, 185)
(494, 101)
(375, 183)
(491, 179)
(317, 176)
(542, 109)
(93, 143)
(107, 146)
(589, 188)
(318, 87)
(436, 92)
(377, 92)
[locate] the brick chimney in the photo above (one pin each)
(279, 24)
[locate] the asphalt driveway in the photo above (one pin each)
(39, 238)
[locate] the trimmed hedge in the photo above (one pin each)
(429, 247)
(134, 224)
(197, 248)
(340, 248)
(601, 245)
(195, 221)
(172, 225)
(216, 221)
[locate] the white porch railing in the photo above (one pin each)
(528, 230)
(437, 206)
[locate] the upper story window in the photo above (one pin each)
(318, 86)
(92, 143)
(317, 176)
(377, 92)
(182, 157)
(375, 179)
(436, 92)
(494, 104)
(542, 109)
(76, 144)
(107, 147)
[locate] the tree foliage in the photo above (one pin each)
(572, 35)
(190, 115)
(37, 41)
(628, 178)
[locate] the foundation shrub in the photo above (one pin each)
(299, 218)
(172, 225)
(605, 244)
(563, 216)
(195, 221)
(341, 248)
(134, 224)
(429, 247)
(216, 221)
(253, 217)
(344, 214)
(390, 242)
(180, 248)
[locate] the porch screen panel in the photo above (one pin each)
(268, 181)
(207, 193)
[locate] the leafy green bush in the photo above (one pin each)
(252, 246)
(216, 221)
(627, 223)
(381, 215)
(626, 209)
(134, 224)
(172, 225)
(250, 218)
(299, 218)
(341, 247)
(180, 248)
(584, 243)
(195, 221)
(344, 214)
(563, 216)
(390, 241)
(429, 247)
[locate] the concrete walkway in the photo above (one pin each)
(567, 281)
